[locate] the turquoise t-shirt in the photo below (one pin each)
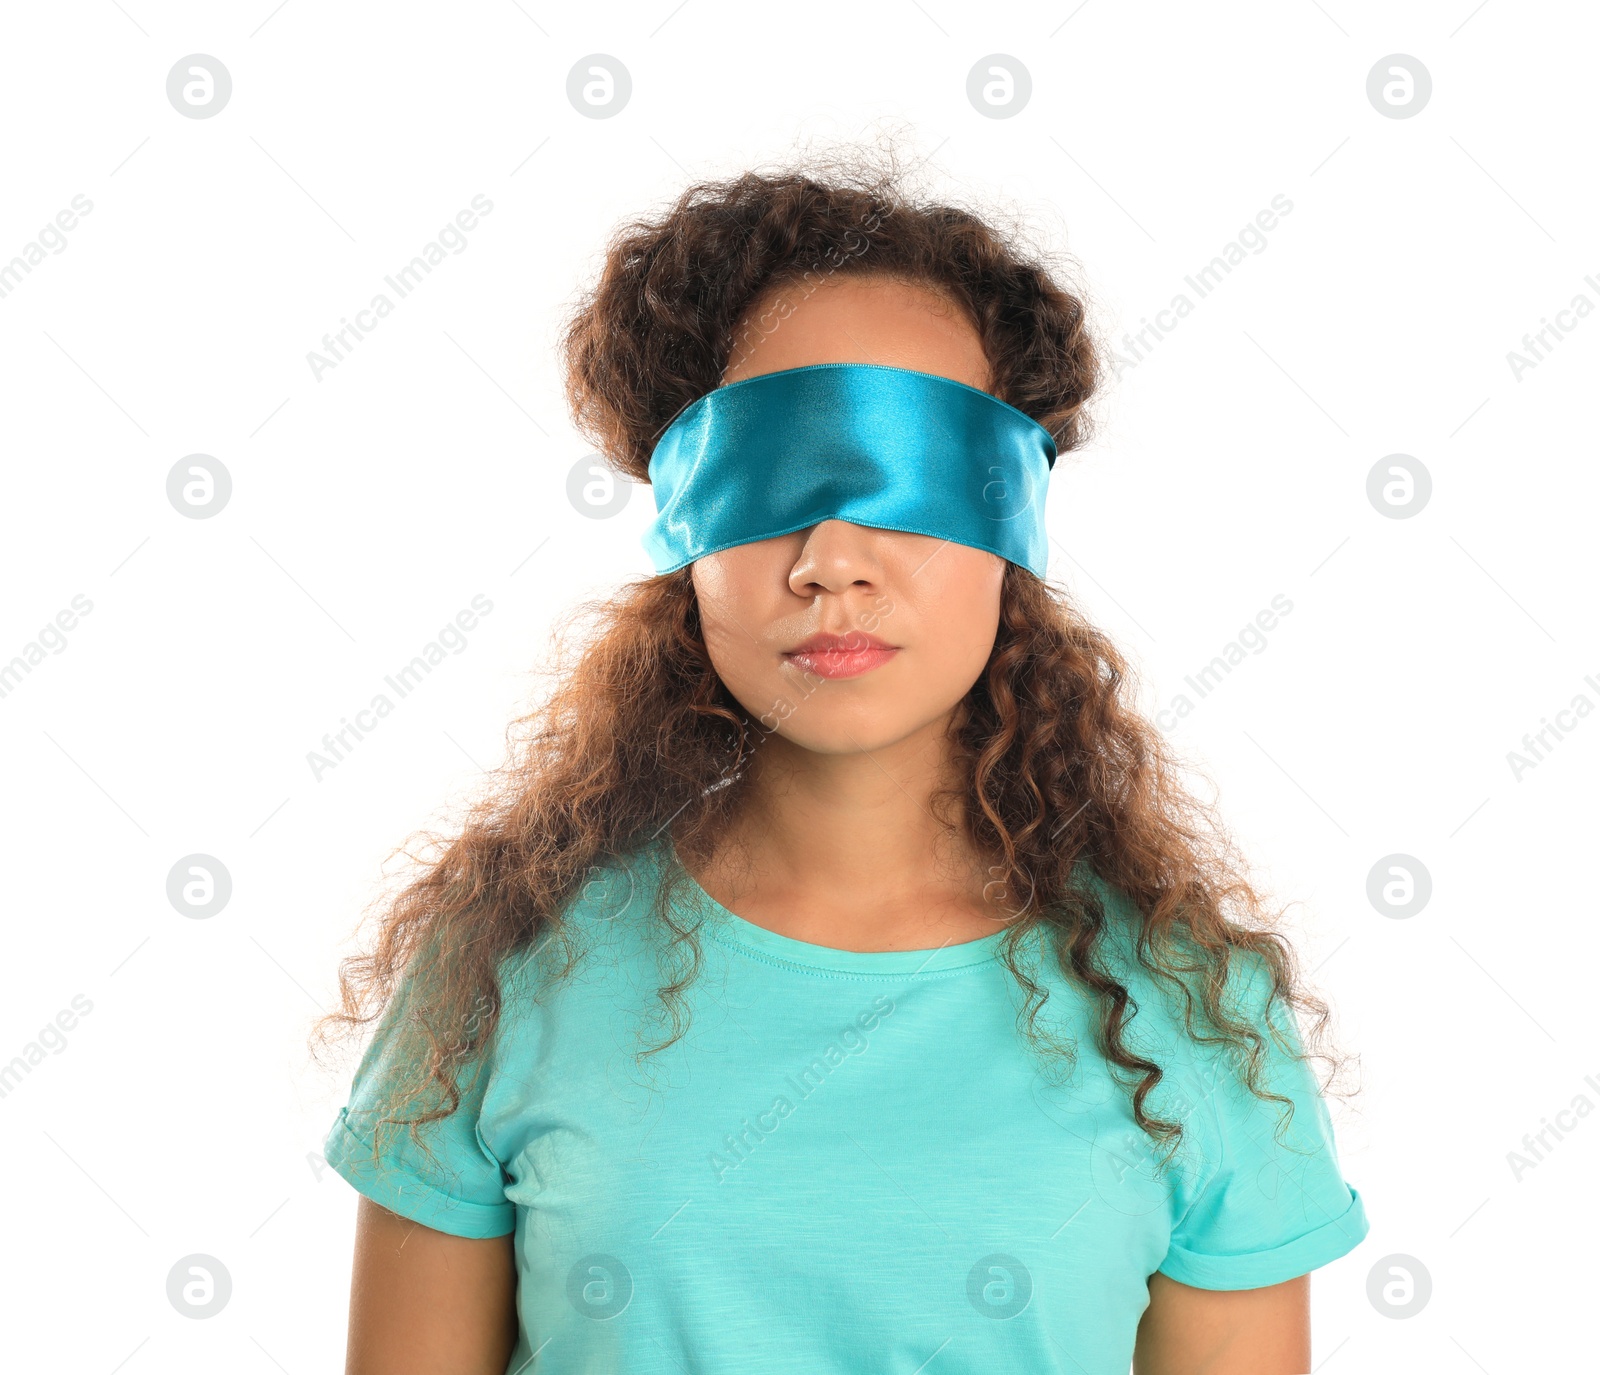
(849, 1163)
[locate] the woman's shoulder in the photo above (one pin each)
(1168, 976)
(605, 922)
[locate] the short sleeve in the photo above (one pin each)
(1270, 1204)
(461, 1190)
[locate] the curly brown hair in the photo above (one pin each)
(1059, 773)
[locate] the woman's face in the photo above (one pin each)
(842, 638)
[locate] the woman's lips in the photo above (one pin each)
(840, 663)
(841, 656)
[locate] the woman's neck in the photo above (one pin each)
(845, 850)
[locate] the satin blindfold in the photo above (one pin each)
(878, 446)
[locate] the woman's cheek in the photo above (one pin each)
(723, 646)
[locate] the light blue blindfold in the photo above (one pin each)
(878, 446)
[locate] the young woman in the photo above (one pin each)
(839, 980)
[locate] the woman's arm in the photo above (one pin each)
(1189, 1331)
(423, 1302)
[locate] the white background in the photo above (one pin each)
(183, 1116)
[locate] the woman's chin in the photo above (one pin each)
(840, 730)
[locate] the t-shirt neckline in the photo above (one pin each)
(729, 928)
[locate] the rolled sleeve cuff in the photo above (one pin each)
(409, 1196)
(1257, 1269)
